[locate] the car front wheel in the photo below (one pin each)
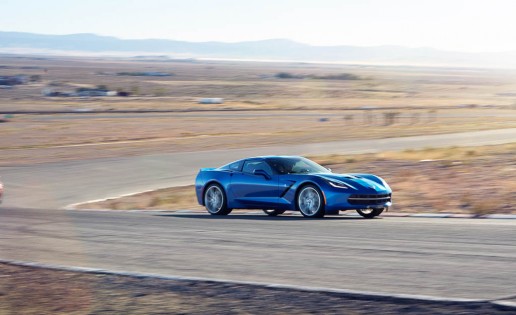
(370, 213)
(215, 200)
(310, 202)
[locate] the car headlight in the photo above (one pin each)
(384, 183)
(339, 184)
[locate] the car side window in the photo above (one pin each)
(299, 167)
(235, 166)
(279, 166)
(252, 165)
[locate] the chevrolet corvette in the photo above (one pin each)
(276, 184)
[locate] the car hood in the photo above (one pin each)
(359, 183)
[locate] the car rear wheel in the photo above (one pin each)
(370, 213)
(215, 200)
(273, 212)
(310, 202)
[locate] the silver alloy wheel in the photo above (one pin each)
(309, 201)
(367, 211)
(370, 213)
(214, 199)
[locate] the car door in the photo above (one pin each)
(255, 190)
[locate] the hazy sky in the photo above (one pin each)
(461, 25)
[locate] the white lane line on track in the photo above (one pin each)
(73, 206)
(252, 283)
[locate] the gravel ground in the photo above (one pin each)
(28, 290)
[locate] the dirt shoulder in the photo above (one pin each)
(28, 290)
(477, 180)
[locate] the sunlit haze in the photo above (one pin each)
(471, 26)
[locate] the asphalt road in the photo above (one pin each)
(460, 258)
(55, 185)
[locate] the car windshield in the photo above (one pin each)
(295, 165)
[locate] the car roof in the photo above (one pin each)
(265, 157)
(278, 156)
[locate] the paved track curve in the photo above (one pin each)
(456, 258)
(55, 185)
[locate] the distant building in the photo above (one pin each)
(146, 74)
(92, 92)
(52, 92)
(11, 80)
(212, 100)
(157, 74)
(82, 92)
(123, 93)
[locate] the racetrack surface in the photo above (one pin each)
(54, 185)
(457, 258)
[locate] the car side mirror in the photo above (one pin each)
(262, 173)
(329, 169)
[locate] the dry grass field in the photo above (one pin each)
(476, 180)
(29, 139)
(259, 108)
(251, 85)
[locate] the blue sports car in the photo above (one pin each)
(279, 183)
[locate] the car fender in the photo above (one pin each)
(305, 182)
(210, 176)
(221, 178)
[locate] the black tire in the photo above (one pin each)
(273, 212)
(313, 208)
(370, 214)
(215, 200)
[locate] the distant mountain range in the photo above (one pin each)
(272, 49)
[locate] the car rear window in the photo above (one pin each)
(235, 166)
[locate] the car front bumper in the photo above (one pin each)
(347, 201)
